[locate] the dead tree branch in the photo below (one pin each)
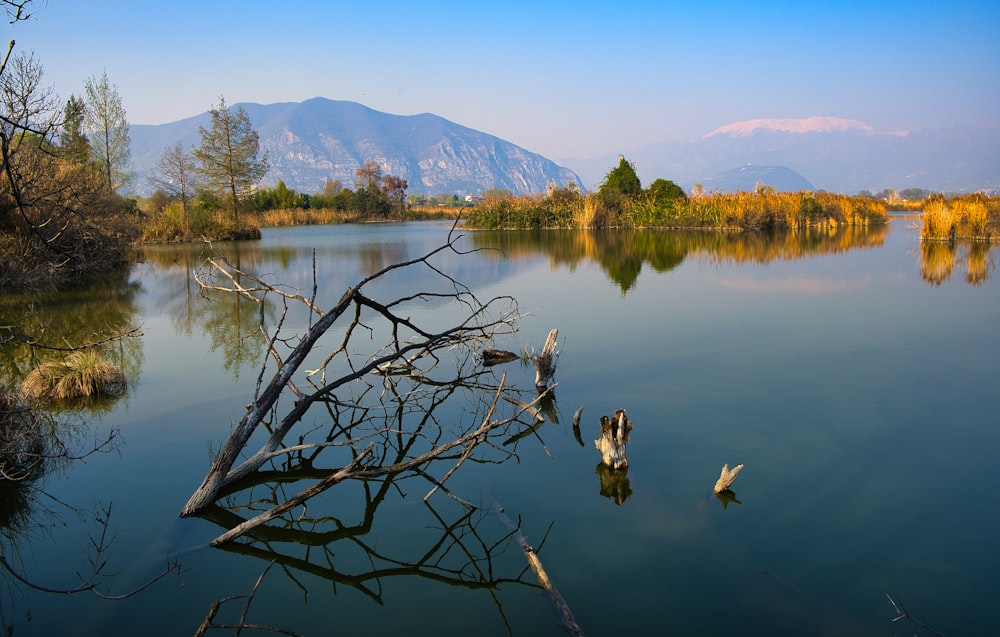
(410, 348)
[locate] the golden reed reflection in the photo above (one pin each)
(622, 253)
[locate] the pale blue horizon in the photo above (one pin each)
(561, 79)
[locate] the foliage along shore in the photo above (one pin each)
(621, 202)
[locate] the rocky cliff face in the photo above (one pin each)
(317, 140)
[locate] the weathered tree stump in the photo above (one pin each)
(727, 478)
(615, 433)
(545, 362)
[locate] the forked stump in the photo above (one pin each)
(615, 433)
(727, 478)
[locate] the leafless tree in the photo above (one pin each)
(176, 176)
(406, 376)
(368, 176)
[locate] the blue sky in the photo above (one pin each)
(564, 79)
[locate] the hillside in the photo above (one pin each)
(319, 139)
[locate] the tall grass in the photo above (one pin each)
(171, 226)
(971, 217)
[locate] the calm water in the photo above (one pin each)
(853, 374)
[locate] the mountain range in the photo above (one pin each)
(319, 139)
(310, 142)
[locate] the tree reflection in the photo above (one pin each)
(229, 320)
(44, 325)
(623, 253)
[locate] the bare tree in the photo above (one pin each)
(401, 373)
(368, 177)
(176, 176)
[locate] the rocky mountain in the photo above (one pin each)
(319, 139)
(833, 154)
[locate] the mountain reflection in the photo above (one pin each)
(623, 253)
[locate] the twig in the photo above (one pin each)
(901, 613)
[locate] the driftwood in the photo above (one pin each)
(615, 434)
(565, 614)
(497, 357)
(545, 362)
(727, 478)
(576, 426)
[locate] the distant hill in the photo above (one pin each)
(319, 139)
(834, 154)
(747, 177)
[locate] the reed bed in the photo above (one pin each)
(173, 226)
(737, 211)
(972, 217)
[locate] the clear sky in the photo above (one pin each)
(564, 79)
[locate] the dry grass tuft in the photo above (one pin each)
(81, 375)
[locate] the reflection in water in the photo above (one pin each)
(614, 483)
(622, 253)
(44, 326)
(400, 419)
(938, 260)
(229, 320)
(726, 498)
(34, 445)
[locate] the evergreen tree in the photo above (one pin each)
(73, 141)
(228, 155)
(622, 180)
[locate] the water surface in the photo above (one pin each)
(853, 373)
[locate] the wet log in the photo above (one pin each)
(727, 478)
(615, 434)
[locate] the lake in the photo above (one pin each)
(853, 372)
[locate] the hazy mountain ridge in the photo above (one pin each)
(319, 139)
(833, 154)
